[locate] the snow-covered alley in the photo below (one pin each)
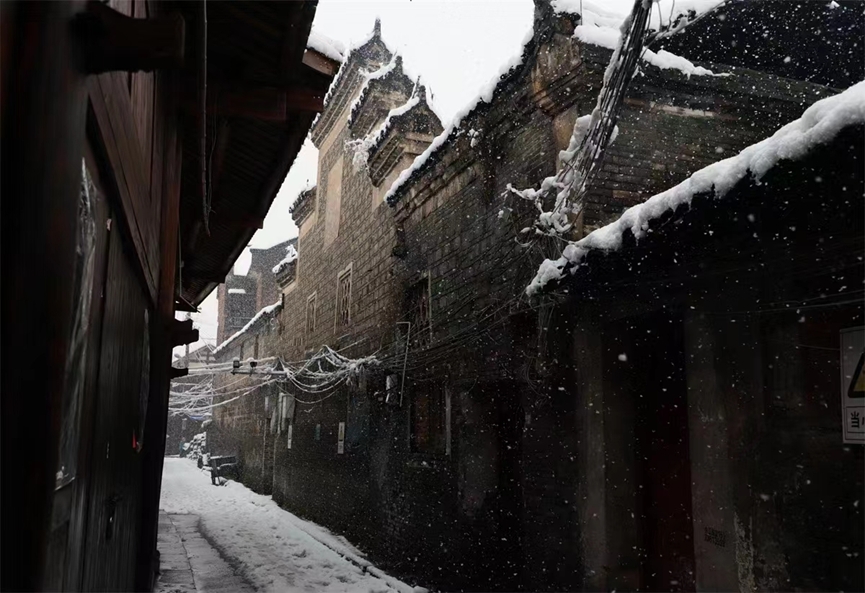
(270, 547)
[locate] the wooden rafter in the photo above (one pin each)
(112, 41)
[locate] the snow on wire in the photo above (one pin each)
(591, 135)
(322, 373)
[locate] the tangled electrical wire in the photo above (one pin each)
(321, 373)
(590, 138)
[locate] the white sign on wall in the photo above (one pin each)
(853, 384)
(340, 446)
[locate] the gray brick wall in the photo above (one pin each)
(500, 512)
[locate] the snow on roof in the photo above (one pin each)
(602, 28)
(485, 95)
(363, 146)
(290, 256)
(330, 48)
(368, 77)
(347, 54)
(609, 38)
(264, 311)
(381, 131)
(818, 125)
(666, 14)
(300, 195)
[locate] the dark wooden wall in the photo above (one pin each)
(114, 500)
(102, 529)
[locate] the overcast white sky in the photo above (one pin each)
(455, 46)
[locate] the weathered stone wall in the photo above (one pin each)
(773, 494)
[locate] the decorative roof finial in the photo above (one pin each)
(376, 30)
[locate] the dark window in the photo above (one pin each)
(418, 309)
(343, 299)
(310, 315)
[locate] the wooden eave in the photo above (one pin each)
(264, 89)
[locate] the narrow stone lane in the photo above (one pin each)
(261, 542)
(187, 561)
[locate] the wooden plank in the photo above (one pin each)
(43, 118)
(167, 158)
(113, 41)
(217, 160)
(242, 221)
(263, 103)
(115, 496)
(181, 304)
(142, 104)
(78, 522)
(116, 128)
(142, 111)
(320, 63)
(295, 33)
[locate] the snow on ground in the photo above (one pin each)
(820, 123)
(274, 549)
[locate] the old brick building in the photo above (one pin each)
(241, 296)
(469, 456)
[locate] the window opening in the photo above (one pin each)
(344, 298)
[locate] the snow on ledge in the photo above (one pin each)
(290, 256)
(382, 71)
(609, 38)
(818, 125)
(326, 46)
(361, 147)
(485, 95)
(264, 311)
(666, 14)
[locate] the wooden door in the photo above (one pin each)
(115, 470)
(663, 456)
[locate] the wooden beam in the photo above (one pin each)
(181, 304)
(217, 160)
(205, 275)
(248, 221)
(320, 63)
(262, 103)
(176, 373)
(112, 41)
(201, 114)
(182, 332)
(296, 32)
(165, 184)
(114, 127)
